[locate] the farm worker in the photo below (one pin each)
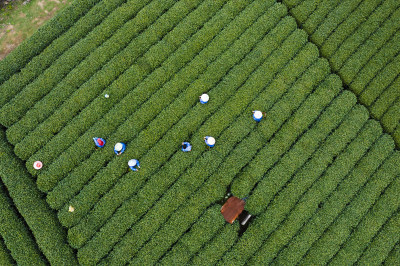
(133, 163)
(258, 115)
(210, 141)
(99, 142)
(204, 98)
(119, 148)
(37, 165)
(186, 146)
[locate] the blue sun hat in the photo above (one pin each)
(186, 146)
(210, 141)
(257, 115)
(204, 98)
(119, 148)
(133, 163)
(99, 142)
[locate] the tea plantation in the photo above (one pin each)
(319, 173)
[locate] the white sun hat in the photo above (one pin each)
(37, 165)
(71, 209)
(118, 146)
(132, 162)
(211, 140)
(106, 96)
(258, 114)
(204, 97)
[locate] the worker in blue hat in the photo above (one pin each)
(210, 141)
(258, 115)
(134, 164)
(119, 148)
(99, 142)
(186, 146)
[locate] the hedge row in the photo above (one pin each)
(48, 233)
(35, 45)
(35, 91)
(339, 205)
(203, 231)
(181, 102)
(127, 185)
(85, 69)
(183, 79)
(323, 158)
(186, 179)
(213, 251)
(290, 227)
(116, 72)
(211, 189)
(119, 88)
(282, 173)
(266, 222)
(5, 254)
(16, 235)
(143, 115)
(207, 193)
(394, 256)
(42, 69)
(382, 208)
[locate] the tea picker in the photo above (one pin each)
(99, 142)
(186, 146)
(204, 98)
(258, 115)
(119, 148)
(210, 141)
(133, 163)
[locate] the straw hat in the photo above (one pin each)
(258, 114)
(204, 97)
(132, 162)
(211, 140)
(118, 146)
(37, 165)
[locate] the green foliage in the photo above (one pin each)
(393, 257)
(5, 255)
(48, 233)
(41, 39)
(16, 235)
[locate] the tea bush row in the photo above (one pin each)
(42, 38)
(177, 130)
(114, 57)
(184, 190)
(73, 183)
(314, 168)
(190, 122)
(208, 226)
(83, 71)
(16, 235)
(35, 81)
(264, 225)
(93, 111)
(288, 229)
(384, 241)
(394, 256)
(5, 255)
(43, 223)
(207, 193)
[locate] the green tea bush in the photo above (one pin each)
(245, 150)
(386, 100)
(290, 227)
(323, 158)
(65, 53)
(127, 186)
(42, 38)
(355, 41)
(211, 253)
(43, 223)
(208, 226)
(303, 10)
(86, 146)
(266, 222)
(93, 111)
(344, 214)
(316, 18)
(5, 255)
(82, 72)
(351, 25)
(16, 235)
(379, 207)
(394, 256)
